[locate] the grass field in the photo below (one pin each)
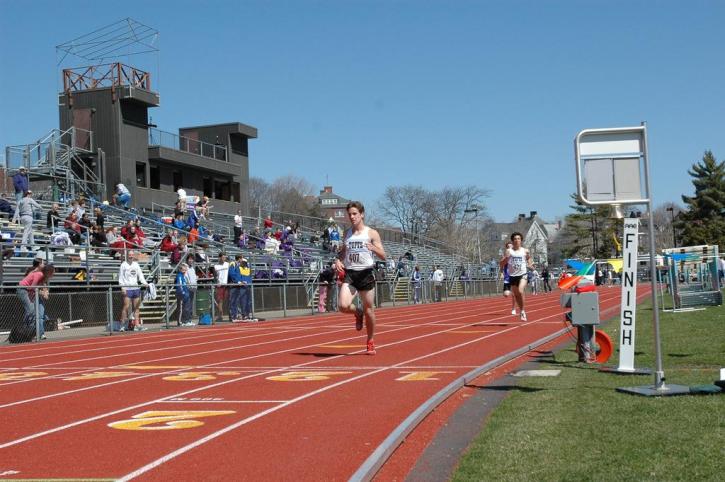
(575, 427)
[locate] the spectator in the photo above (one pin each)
(238, 223)
(167, 243)
(98, 236)
(129, 277)
(60, 238)
(246, 291)
(26, 293)
(25, 212)
(133, 240)
(545, 277)
(181, 249)
(179, 207)
(81, 208)
(179, 222)
(139, 231)
(183, 296)
(242, 240)
(204, 207)
(438, 278)
(85, 222)
(193, 235)
(6, 208)
(271, 245)
(278, 234)
(235, 290)
(416, 281)
(100, 218)
(221, 270)
(327, 278)
(114, 241)
(126, 228)
(122, 196)
(21, 183)
(268, 223)
(334, 238)
(53, 217)
(191, 282)
(73, 209)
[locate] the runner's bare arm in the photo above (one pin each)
(339, 265)
(376, 245)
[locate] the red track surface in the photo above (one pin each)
(286, 399)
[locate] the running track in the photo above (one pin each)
(295, 398)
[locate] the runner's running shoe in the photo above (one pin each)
(371, 348)
(359, 318)
(513, 312)
(523, 316)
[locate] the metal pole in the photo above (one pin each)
(212, 302)
(109, 310)
(37, 313)
(284, 300)
(659, 371)
(166, 304)
(251, 290)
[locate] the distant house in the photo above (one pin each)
(536, 237)
(332, 205)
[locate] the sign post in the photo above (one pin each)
(628, 311)
(609, 168)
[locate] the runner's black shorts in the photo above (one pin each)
(514, 280)
(363, 280)
(507, 286)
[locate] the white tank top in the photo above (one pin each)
(357, 255)
(517, 262)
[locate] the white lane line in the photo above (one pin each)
(199, 389)
(148, 375)
(218, 433)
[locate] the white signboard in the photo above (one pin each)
(629, 295)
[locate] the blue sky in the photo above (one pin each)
(375, 93)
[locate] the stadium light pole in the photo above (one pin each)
(674, 233)
(478, 235)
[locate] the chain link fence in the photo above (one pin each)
(100, 309)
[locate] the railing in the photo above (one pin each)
(186, 144)
(48, 148)
(105, 75)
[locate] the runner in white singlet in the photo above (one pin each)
(517, 260)
(355, 259)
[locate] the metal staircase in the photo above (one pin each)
(68, 159)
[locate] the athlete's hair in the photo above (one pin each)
(516, 233)
(357, 205)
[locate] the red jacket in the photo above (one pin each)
(167, 244)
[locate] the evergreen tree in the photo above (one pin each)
(703, 221)
(588, 232)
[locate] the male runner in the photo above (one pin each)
(355, 258)
(517, 259)
(507, 281)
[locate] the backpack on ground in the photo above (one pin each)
(22, 333)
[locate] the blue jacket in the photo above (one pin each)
(20, 182)
(182, 287)
(246, 274)
(234, 274)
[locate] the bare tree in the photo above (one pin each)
(408, 207)
(665, 233)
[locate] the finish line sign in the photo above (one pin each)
(629, 295)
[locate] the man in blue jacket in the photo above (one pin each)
(21, 185)
(235, 290)
(183, 296)
(246, 290)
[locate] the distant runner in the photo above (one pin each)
(517, 259)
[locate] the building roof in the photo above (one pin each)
(235, 128)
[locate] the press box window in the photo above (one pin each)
(141, 174)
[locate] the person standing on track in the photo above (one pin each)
(518, 260)
(355, 259)
(129, 277)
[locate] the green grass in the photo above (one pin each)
(575, 427)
